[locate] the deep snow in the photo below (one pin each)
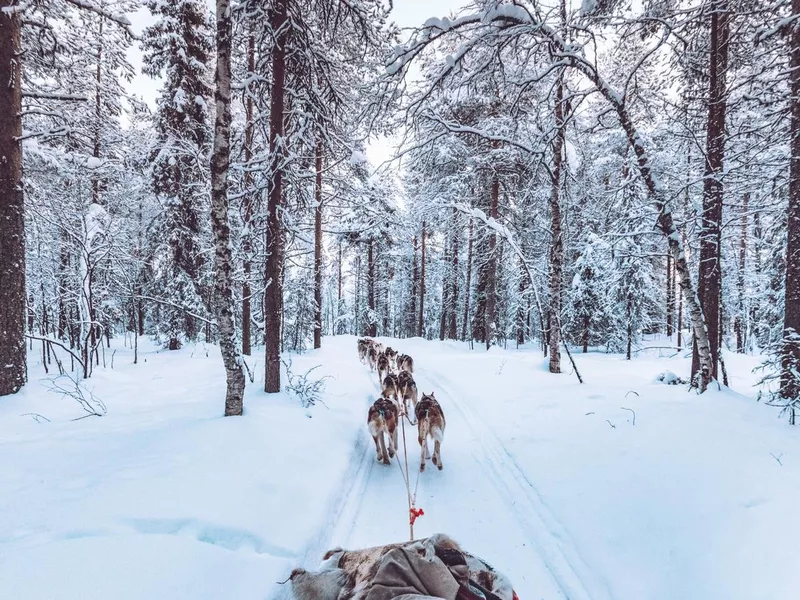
(547, 479)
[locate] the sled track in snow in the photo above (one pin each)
(344, 509)
(550, 538)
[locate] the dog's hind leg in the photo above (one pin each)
(384, 455)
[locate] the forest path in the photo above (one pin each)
(481, 497)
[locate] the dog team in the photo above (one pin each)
(395, 377)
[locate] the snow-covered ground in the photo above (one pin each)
(549, 480)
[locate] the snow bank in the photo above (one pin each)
(163, 497)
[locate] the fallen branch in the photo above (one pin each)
(632, 412)
(59, 344)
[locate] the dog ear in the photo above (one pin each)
(432, 396)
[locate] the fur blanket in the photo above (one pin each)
(434, 568)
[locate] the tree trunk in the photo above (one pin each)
(318, 248)
(273, 295)
(670, 296)
(452, 324)
(629, 328)
(790, 359)
(557, 241)
(98, 117)
(249, 201)
(223, 263)
(13, 372)
(445, 293)
(339, 306)
(421, 322)
(372, 327)
(521, 312)
(491, 278)
(710, 274)
(414, 290)
(468, 284)
(739, 324)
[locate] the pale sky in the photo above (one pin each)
(406, 13)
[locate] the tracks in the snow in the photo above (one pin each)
(550, 538)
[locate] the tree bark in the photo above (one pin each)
(339, 306)
(557, 241)
(491, 276)
(273, 296)
(249, 201)
(372, 326)
(13, 371)
(740, 322)
(421, 322)
(670, 296)
(710, 273)
(452, 325)
(98, 118)
(318, 247)
(223, 264)
(414, 290)
(790, 358)
(468, 283)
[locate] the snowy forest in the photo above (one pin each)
(569, 175)
(581, 219)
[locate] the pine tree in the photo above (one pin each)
(179, 46)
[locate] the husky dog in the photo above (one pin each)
(383, 366)
(382, 418)
(407, 389)
(363, 348)
(391, 388)
(391, 354)
(405, 363)
(430, 421)
(372, 358)
(351, 574)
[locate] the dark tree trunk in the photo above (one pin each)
(445, 294)
(452, 324)
(372, 327)
(421, 322)
(521, 312)
(557, 241)
(318, 248)
(740, 322)
(412, 329)
(249, 201)
(223, 256)
(339, 306)
(468, 283)
(273, 296)
(13, 372)
(98, 117)
(670, 296)
(491, 275)
(710, 272)
(357, 302)
(790, 384)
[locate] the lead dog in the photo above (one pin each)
(430, 422)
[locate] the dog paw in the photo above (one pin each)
(440, 466)
(422, 467)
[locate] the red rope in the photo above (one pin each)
(414, 513)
